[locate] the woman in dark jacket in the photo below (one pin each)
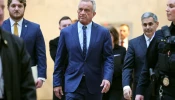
(116, 90)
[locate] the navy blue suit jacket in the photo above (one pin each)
(151, 61)
(34, 41)
(97, 65)
(134, 60)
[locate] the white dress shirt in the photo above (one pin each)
(12, 22)
(88, 34)
(1, 81)
(148, 40)
(125, 44)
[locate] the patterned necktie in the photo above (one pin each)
(84, 41)
(16, 29)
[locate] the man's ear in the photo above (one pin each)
(94, 13)
(157, 24)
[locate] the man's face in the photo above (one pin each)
(16, 10)
(149, 26)
(85, 12)
(2, 6)
(65, 23)
(171, 10)
(124, 32)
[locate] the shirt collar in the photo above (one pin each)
(147, 38)
(81, 25)
(125, 40)
(19, 22)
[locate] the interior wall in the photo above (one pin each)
(48, 12)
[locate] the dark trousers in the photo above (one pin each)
(82, 93)
(113, 95)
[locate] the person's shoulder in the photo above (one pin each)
(31, 23)
(5, 21)
(159, 34)
(54, 40)
(99, 26)
(136, 38)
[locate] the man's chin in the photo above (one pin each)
(16, 17)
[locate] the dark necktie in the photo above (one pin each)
(84, 41)
(122, 43)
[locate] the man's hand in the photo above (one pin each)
(127, 92)
(106, 85)
(58, 91)
(139, 97)
(39, 83)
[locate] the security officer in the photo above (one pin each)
(161, 58)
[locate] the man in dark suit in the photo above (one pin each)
(136, 54)
(53, 44)
(16, 80)
(31, 34)
(124, 34)
(90, 60)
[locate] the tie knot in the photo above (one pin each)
(15, 23)
(84, 27)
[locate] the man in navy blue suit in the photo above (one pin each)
(90, 60)
(136, 55)
(31, 34)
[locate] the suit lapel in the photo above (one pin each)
(76, 37)
(93, 37)
(24, 28)
(142, 43)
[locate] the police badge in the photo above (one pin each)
(166, 81)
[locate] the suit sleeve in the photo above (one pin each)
(28, 88)
(108, 57)
(53, 49)
(59, 65)
(128, 65)
(41, 54)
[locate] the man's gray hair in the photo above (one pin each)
(149, 14)
(93, 3)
